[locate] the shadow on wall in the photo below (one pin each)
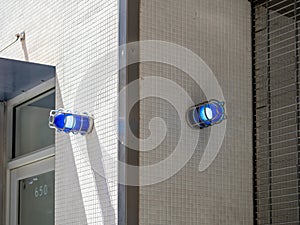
(62, 194)
(96, 162)
(69, 168)
(65, 168)
(25, 51)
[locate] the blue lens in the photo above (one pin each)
(64, 121)
(85, 123)
(77, 123)
(206, 114)
(217, 112)
(59, 121)
(68, 122)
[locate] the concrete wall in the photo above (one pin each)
(220, 33)
(75, 36)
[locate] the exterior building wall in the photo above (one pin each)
(220, 33)
(2, 161)
(75, 37)
(277, 106)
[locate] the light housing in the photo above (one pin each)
(68, 122)
(206, 114)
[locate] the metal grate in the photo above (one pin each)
(276, 93)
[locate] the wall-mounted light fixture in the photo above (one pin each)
(66, 121)
(206, 114)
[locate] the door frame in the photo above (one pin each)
(39, 166)
(40, 157)
(32, 93)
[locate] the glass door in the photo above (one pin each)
(32, 193)
(30, 153)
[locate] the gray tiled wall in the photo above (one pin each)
(220, 33)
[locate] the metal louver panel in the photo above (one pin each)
(276, 92)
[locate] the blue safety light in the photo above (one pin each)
(206, 114)
(66, 121)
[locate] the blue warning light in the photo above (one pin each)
(206, 114)
(65, 121)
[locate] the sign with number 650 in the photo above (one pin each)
(41, 191)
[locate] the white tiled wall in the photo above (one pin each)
(75, 36)
(219, 31)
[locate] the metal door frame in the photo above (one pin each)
(29, 170)
(21, 167)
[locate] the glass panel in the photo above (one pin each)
(31, 125)
(36, 200)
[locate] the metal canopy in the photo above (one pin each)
(18, 76)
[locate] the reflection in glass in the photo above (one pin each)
(31, 126)
(36, 200)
